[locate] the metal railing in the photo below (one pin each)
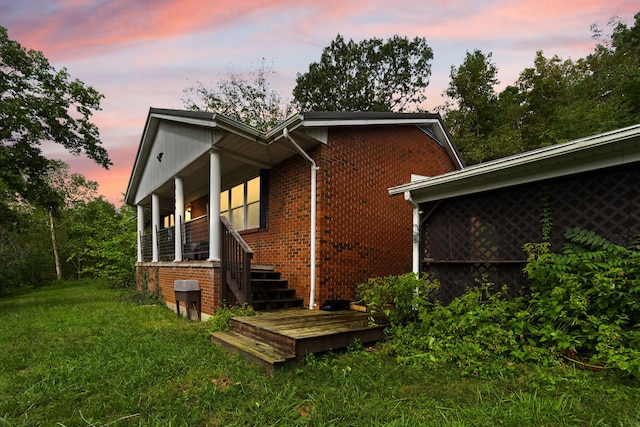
(235, 265)
(166, 244)
(195, 239)
(146, 241)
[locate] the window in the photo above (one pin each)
(241, 204)
(168, 221)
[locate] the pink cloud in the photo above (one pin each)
(79, 28)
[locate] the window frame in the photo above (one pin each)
(246, 204)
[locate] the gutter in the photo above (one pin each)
(314, 171)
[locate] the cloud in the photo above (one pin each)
(142, 53)
(67, 29)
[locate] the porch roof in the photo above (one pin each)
(242, 145)
(615, 148)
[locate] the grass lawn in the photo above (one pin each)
(76, 354)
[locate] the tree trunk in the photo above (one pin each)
(54, 242)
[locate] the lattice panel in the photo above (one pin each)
(464, 238)
(455, 278)
(489, 227)
(610, 207)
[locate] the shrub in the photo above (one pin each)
(220, 321)
(583, 306)
(400, 298)
(475, 332)
(584, 302)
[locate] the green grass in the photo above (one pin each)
(75, 354)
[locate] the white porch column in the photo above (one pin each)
(215, 185)
(140, 230)
(155, 225)
(178, 215)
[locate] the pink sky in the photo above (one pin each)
(143, 53)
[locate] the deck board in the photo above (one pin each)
(300, 323)
(296, 332)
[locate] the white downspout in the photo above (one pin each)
(314, 171)
(415, 233)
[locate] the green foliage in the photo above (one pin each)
(220, 320)
(475, 332)
(472, 89)
(585, 301)
(583, 305)
(25, 252)
(400, 298)
(38, 103)
(553, 101)
(85, 358)
(102, 242)
(372, 75)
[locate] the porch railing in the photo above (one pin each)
(166, 245)
(146, 241)
(235, 270)
(235, 265)
(195, 239)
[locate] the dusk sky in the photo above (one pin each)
(143, 53)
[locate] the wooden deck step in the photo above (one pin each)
(300, 332)
(251, 349)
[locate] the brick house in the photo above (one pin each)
(305, 202)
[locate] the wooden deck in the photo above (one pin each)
(277, 337)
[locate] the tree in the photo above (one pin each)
(553, 101)
(372, 75)
(247, 98)
(66, 191)
(38, 104)
(102, 241)
(472, 90)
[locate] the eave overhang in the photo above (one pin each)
(595, 152)
(265, 149)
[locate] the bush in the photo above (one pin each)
(583, 306)
(585, 301)
(475, 332)
(220, 321)
(400, 298)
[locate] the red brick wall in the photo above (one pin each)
(164, 275)
(285, 243)
(362, 232)
(199, 206)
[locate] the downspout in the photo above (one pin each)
(415, 234)
(314, 171)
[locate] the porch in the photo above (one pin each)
(195, 241)
(232, 279)
(278, 337)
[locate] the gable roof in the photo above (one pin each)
(243, 143)
(615, 148)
